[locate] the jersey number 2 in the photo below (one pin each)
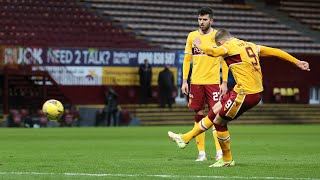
(215, 96)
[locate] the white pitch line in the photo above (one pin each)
(154, 175)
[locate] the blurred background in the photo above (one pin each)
(87, 54)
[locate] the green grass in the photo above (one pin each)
(278, 152)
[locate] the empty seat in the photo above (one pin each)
(290, 92)
(283, 92)
(276, 94)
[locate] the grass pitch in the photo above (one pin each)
(261, 152)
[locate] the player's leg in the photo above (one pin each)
(197, 103)
(223, 137)
(212, 93)
(200, 139)
(233, 105)
(219, 152)
(183, 139)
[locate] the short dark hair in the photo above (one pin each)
(206, 10)
(222, 34)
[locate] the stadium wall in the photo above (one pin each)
(95, 94)
(85, 83)
(277, 73)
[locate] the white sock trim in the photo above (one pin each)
(223, 139)
(202, 126)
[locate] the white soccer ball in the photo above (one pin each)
(53, 109)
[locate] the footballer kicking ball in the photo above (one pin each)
(53, 109)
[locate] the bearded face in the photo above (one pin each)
(204, 22)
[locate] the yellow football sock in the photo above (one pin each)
(214, 134)
(200, 139)
(224, 140)
(203, 125)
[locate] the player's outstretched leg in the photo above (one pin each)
(183, 139)
(178, 139)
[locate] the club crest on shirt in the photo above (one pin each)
(196, 51)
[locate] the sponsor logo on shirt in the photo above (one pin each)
(196, 51)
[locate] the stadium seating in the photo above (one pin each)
(167, 23)
(60, 23)
(153, 115)
(28, 88)
(161, 23)
(42, 120)
(286, 95)
(307, 12)
(23, 117)
(14, 118)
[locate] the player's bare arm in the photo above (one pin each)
(185, 87)
(223, 88)
(197, 42)
(225, 70)
(268, 51)
(210, 51)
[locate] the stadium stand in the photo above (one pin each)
(60, 23)
(286, 95)
(142, 24)
(37, 23)
(21, 85)
(167, 23)
(262, 114)
(307, 12)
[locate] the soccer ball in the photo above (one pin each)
(53, 109)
